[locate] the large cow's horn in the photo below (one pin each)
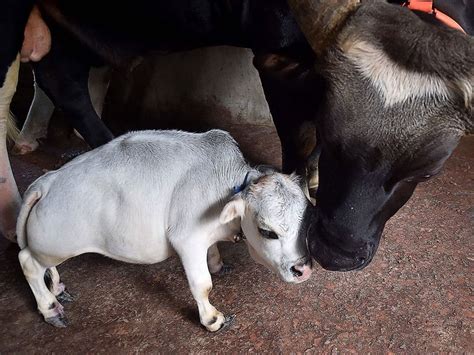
(321, 20)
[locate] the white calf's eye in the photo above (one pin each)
(268, 234)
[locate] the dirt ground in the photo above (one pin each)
(415, 297)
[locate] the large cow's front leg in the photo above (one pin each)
(193, 255)
(286, 84)
(42, 108)
(10, 200)
(63, 75)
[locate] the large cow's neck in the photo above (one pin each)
(119, 32)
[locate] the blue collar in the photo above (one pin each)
(239, 188)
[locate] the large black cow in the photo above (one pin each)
(391, 94)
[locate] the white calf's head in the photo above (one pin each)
(274, 212)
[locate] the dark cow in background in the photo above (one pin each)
(13, 17)
(398, 98)
(390, 93)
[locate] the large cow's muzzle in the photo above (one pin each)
(340, 252)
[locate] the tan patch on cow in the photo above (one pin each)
(307, 139)
(395, 83)
(464, 89)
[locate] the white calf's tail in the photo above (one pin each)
(12, 129)
(30, 198)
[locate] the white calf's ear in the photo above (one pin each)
(233, 209)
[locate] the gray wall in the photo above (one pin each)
(210, 87)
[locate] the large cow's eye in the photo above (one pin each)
(268, 234)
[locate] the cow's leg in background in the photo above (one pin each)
(42, 108)
(36, 123)
(312, 168)
(292, 107)
(99, 80)
(68, 87)
(10, 200)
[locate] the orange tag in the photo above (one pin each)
(427, 6)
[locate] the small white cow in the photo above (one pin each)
(148, 194)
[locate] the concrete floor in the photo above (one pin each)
(416, 296)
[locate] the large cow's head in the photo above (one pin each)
(399, 97)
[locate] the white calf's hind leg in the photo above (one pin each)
(48, 305)
(215, 263)
(10, 200)
(56, 287)
(36, 124)
(194, 259)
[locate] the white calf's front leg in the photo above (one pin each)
(36, 124)
(9, 197)
(48, 305)
(194, 259)
(215, 263)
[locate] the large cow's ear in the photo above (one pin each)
(235, 208)
(277, 66)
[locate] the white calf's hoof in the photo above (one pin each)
(59, 321)
(220, 269)
(56, 316)
(228, 321)
(220, 323)
(65, 297)
(215, 323)
(225, 269)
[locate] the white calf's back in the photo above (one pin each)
(131, 194)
